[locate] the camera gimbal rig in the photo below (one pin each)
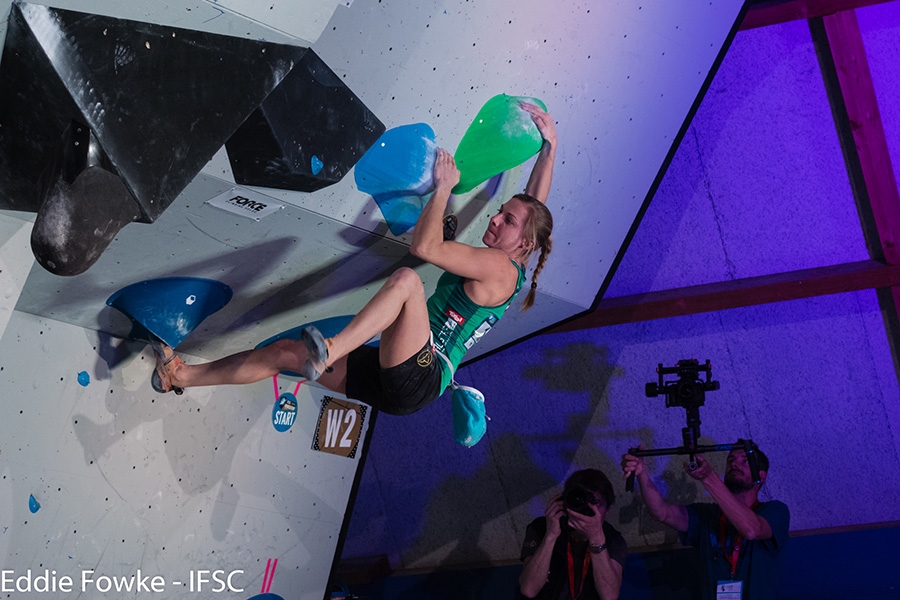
(689, 392)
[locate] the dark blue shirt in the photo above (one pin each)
(757, 564)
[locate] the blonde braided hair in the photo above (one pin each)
(538, 230)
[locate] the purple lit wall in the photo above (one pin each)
(757, 186)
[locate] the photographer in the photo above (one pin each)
(739, 538)
(572, 552)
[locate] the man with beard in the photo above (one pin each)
(739, 539)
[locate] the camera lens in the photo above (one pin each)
(579, 500)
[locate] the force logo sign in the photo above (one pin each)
(247, 203)
(340, 427)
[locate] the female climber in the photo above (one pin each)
(402, 374)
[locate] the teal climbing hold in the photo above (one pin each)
(169, 308)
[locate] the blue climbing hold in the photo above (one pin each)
(397, 171)
(170, 307)
(329, 327)
(315, 164)
(84, 379)
(401, 211)
(33, 505)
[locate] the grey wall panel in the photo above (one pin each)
(15, 262)
(130, 480)
(289, 268)
(285, 23)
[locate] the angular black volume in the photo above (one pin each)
(306, 135)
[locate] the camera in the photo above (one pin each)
(579, 500)
(688, 391)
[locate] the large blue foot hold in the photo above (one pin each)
(316, 352)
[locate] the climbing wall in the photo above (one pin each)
(107, 483)
(620, 80)
(102, 474)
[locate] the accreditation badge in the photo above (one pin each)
(729, 590)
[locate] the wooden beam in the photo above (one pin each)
(763, 14)
(858, 106)
(735, 294)
(864, 144)
(861, 105)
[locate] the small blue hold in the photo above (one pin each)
(33, 505)
(84, 379)
(316, 164)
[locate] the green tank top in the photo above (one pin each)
(457, 323)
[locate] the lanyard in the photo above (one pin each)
(571, 562)
(275, 383)
(738, 539)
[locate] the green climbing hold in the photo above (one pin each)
(501, 137)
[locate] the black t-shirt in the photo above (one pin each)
(557, 586)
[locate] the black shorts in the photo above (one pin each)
(401, 390)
